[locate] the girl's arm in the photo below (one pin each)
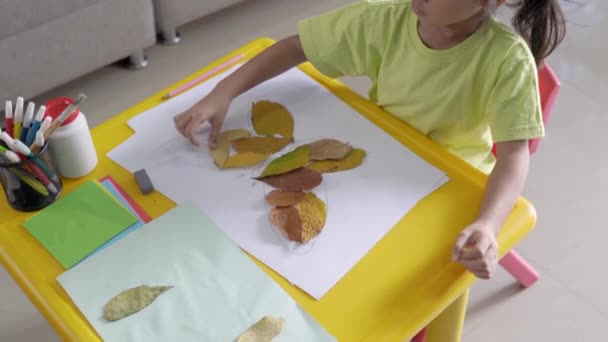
(274, 61)
(476, 246)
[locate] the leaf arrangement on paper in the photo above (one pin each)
(269, 119)
(298, 213)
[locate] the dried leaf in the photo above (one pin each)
(329, 149)
(270, 118)
(280, 198)
(313, 213)
(222, 149)
(287, 220)
(353, 160)
(131, 301)
(245, 159)
(302, 179)
(263, 331)
(302, 222)
(263, 145)
(293, 160)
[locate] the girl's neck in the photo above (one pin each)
(445, 37)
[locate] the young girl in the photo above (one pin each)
(445, 67)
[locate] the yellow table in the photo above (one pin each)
(407, 281)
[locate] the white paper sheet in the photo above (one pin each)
(363, 204)
(219, 292)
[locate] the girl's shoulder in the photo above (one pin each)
(507, 44)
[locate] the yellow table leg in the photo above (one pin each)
(447, 327)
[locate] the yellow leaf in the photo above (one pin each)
(287, 162)
(222, 149)
(352, 160)
(263, 145)
(313, 213)
(329, 149)
(244, 159)
(131, 301)
(270, 118)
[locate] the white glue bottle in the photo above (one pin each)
(71, 145)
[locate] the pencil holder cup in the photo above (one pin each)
(32, 184)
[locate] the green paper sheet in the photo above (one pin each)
(76, 225)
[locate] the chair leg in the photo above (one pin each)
(137, 60)
(519, 269)
(420, 337)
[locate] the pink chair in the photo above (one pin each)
(549, 86)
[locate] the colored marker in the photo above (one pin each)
(8, 140)
(64, 115)
(38, 143)
(27, 121)
(8, 117)
(31, 135)
(12, 144)
(18, 118)
(37, 168)
(46, 123)
(27, 179)
(12, 184)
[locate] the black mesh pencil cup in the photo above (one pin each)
(31, 184)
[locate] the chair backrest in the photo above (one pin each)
(549, 87)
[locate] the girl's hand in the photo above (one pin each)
(212, 109)
(477, 250)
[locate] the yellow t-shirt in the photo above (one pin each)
(465, 98)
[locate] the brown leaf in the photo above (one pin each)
(302, 179)
(353, 160)
(131, 301)
(329, 149)
(302, 222)
(262, 145)
(270, 118)
(287, 220)
(245, 159)
(222, 149)
(280, 198)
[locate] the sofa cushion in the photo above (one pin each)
(21, 15)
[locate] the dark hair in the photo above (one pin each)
(542, 24)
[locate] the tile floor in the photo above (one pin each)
(568, 181)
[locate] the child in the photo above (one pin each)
(445, 67)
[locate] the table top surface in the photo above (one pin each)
(400, 286)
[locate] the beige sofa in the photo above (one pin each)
(45, 43)
(170, 14)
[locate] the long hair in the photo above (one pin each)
(542, 24)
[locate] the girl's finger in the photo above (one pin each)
(475, 264)
(479, 249)
(461, 242)
(216, 126)
(181, 122)
(192, 130)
